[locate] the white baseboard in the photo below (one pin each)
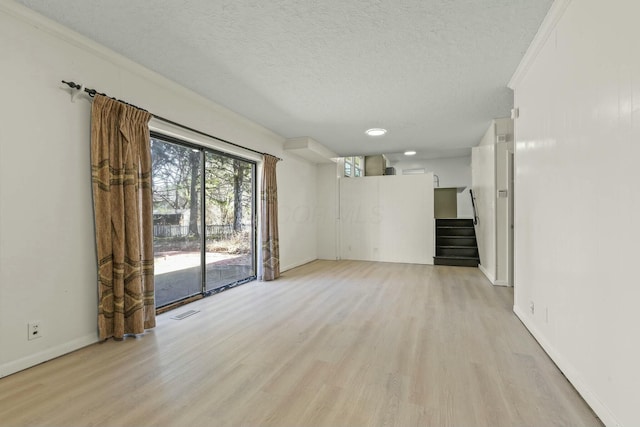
(501, 283)
(486, 273)
(569, 371)
(45, 355)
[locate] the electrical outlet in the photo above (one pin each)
(532, 307)
(34, 330)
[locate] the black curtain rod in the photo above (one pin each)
(93, 92)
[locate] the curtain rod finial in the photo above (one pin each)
(76, 91)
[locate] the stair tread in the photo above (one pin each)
(456, 246)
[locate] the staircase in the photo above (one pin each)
(456, 242)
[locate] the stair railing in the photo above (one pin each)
(475, 212)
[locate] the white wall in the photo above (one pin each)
(296, 212)
(484, 190)
(47, 248)
(578, 202)
(387, 218)
(327, 211)
(452, 172)
(490, 173)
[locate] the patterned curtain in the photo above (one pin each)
(269, 218)
(121, 178)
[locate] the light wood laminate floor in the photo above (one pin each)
(331, 343)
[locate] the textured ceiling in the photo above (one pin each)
(433, 72)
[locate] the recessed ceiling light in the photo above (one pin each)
(409, 153)
(375, 132)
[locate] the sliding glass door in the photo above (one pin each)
(229, 208)
(203, 220)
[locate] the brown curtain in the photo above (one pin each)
(121, 177)
(269, 218)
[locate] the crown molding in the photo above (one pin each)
(544, 32)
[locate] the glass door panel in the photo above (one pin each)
(176, 171)
(229, 218)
